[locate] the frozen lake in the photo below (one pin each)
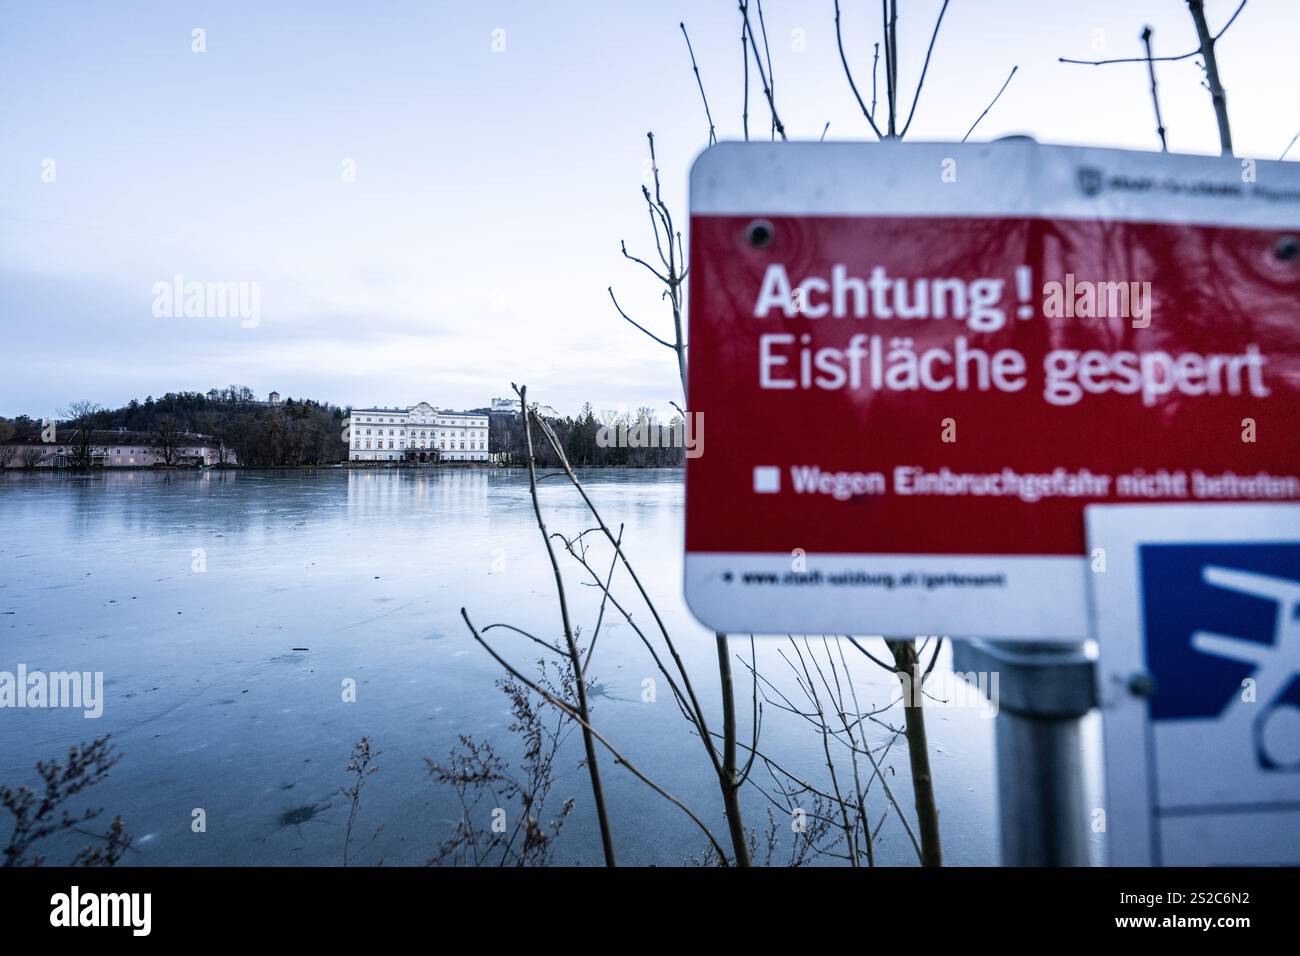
(194, 594)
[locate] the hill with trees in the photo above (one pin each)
(291, 432)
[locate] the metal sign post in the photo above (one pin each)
(1045, 691)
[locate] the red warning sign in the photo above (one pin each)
(915, 364)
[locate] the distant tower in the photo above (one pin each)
(273, 398)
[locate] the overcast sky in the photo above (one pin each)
(491, 188)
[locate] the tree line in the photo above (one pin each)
(295, 432)
(244, 430)
(588, 440)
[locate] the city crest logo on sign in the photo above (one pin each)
(1089, 180)
(920, 362)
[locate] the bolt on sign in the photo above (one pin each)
(918, 363)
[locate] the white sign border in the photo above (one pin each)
(1018, 612)
(1013, 178)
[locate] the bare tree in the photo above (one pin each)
(31, 456)
(167, 438)
(216, 426)
(568, 708)
(1209, 64)
(907, 667)
(672, 256)
(82, 417)
(835, 814)
(583, 710)
(574, 704)
(672, 276)
(725, 766)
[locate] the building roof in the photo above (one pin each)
(101, 436)
(398, 410)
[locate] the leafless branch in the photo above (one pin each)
(571, 644)
(990, 106)
(875, 64)
(876, 660)
(713, 137)
(694, 66)
(604, 598)
(636, 323)
(1289, 145)
(921, 82)
(1158, 59)
(767, 54)
(1211, 65)
(889, 17)
(568, 709)
(762, 74)
(839, 41)
(537, 640)
(1155, 98)
(744, 57)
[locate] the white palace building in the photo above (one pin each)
(419, 433)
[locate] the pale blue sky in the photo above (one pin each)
(492, 189)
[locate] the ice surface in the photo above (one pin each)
(224, 686)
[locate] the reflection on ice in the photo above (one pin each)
(224, 687)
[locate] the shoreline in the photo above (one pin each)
(344, 466)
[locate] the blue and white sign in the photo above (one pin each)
(1196, 610)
